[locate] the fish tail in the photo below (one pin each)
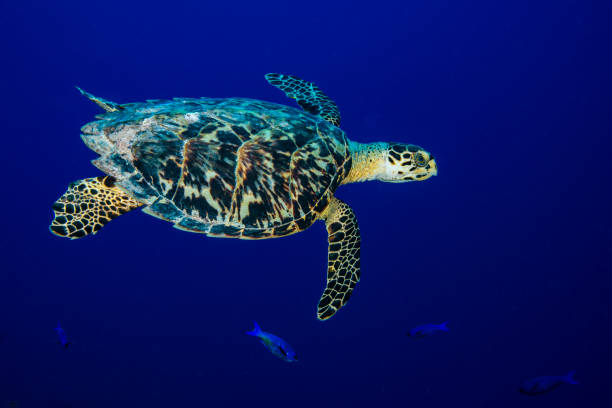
(443, 326)
(570, 377)
(256, 330)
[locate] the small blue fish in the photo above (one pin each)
(540, 385)
(276, 345)
(63, 339)
(425, 330)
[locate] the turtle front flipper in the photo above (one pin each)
(88, 205)
(307, 95)
(343, 258)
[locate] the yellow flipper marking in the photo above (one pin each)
(88, 205)
(343, 258)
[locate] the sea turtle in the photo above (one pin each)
(237, 168)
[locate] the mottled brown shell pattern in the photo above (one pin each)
(226, 167)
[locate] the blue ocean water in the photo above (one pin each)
(510, 243)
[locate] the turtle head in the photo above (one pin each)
(390, 162)
(406, 162)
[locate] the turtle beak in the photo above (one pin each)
(432, 167)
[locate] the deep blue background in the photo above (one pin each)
(510, 243)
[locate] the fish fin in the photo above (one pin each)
(570, 377)
(443, 326)
(256, 330)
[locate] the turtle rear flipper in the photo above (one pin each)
(343, 258)
(103, 103)
(88, 205)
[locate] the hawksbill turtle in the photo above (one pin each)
(237, 168)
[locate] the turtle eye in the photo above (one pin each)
(420, 160)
